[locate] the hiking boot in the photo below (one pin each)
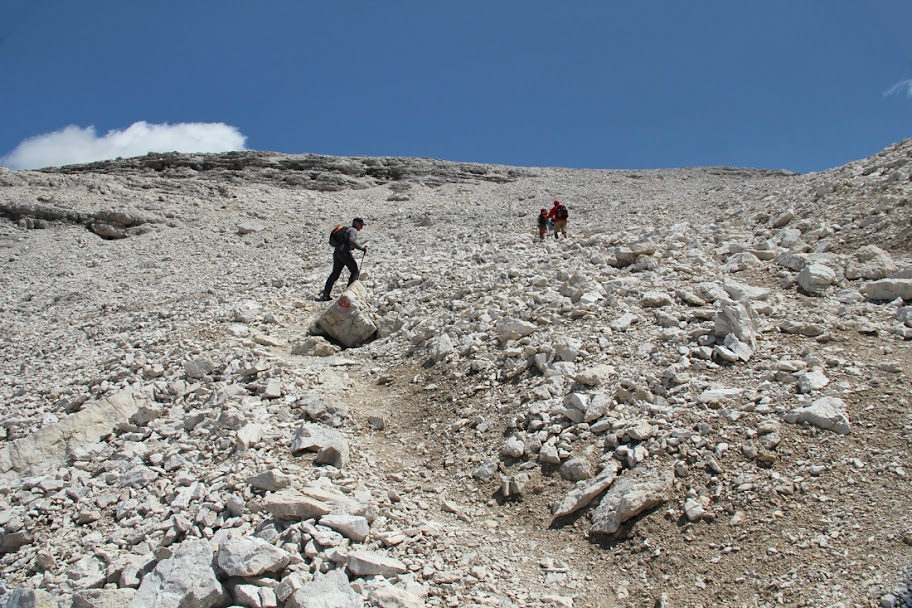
(323, 298)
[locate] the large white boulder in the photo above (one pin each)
(348, 320)
(870, 262)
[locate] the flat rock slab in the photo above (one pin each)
(49, 446)
(634, 492)
(582, 496)
(888, 290)
(827, 413)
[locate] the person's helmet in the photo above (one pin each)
(544, 211)
(557, 202)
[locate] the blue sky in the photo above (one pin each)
(803, 85)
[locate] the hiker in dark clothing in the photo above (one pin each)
(342, 257)
(542, 224)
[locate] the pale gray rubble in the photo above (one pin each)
(700, 397)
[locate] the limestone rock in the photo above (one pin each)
(583, 495)
(48, 446)
(314, 346)
(371, 563)
(630, 495)
(330, 445)
(816, 278)
(185, 580)
(23, 597)
(330, 590)
(888, 290)
(827, 413)
(870, 262)
(348, 320)
(103, 598)
(292, 505)
(354, 527)
(250, 556)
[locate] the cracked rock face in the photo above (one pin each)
(708, 377)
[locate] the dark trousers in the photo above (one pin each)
(340, 261)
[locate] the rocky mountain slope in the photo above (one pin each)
(700, 398)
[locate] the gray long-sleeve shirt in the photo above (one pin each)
(351, 241)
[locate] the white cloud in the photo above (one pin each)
(903, 87)
(73, 144)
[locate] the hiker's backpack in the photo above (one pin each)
(561, 212)
(337, 235)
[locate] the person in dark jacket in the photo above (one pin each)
(342, 258)
(542, 224)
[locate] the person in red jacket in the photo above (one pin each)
(559, 214)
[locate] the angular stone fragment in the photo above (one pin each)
(314, 346)
(353, 527)
(740, 292)
(248, 436)
(630, 495)
(812, 330)
(827, 413)
(870, 262)
(370, 563)
(330, 590)
(509, 328)
(23, 597)
(394, 597)
(272, 480)
(575, 469)
(331, 446)
(737, 319)
(10, 542)
(514, 485)
(185, 580)
(816, 278)
(197, 368)
(812, 380)
(783, 219)
(440, 347)
(87, 572)
(103, 598)
(623, 323)
(250, 556)
(250, 227)
(655, 299)
(294, 506)
(583, 495)
(888, 290)
(317, 409)
(513, 447)
(597, 375)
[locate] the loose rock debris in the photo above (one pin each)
(701, 397)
